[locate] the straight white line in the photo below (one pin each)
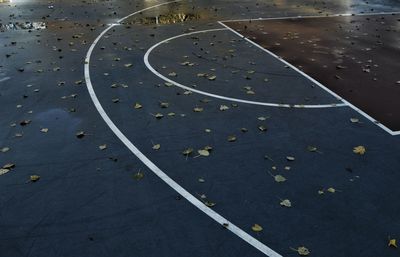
(313, 16)
(148, 65)
(4, 79)
(157, 171)
(393, 133)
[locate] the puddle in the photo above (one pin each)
(23, 26)
(167, 19)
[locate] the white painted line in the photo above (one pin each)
(148, 65)
(157, 171)
(4, 79)
(313, 16)
(393, 133)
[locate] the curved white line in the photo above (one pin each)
(148, 65)
(193, 200)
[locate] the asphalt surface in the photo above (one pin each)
(93, 202)
(355, 56)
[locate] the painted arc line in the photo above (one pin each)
(155, 72)
(347, 103)
(156, 170)
(313, 16)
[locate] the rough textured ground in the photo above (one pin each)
(93, 202)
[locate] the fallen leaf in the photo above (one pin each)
(4, 149)
(301, 250)
(279, 178)
(231, 138)
(223, 108)
(187, 151)
(24, 122)
(331, 190)
(156, 147)
(209, 203)
(212, 77)
(80, 134)
(198, 109)
(203, 152)
(286, 203)
(44, 130)
(3, 171)
(290, 158)
(359, 150)
(137, 106)
(262, 128)
(128, 65)
(392, 243)
(354, 120)
(34, 178)
(103, 147)
(256, 228)
(138, 176)
(9, 166)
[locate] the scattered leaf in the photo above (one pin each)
(212, 77)
(137, 106)
(5, 149)
(80, 134)
(331, 190)
(359, 150)
(223, 108)
(354, 120)
(4, 171)
(301, 250)
(44, 130)
(256, 228)
(34, 178)
(290, 158)
(262, 128)
(128, 65)
(279, 178)
(138, 176)
(103, 147)
(286, 203)
(198, 109)
(156, 147)
(9, 166)
(231, 138)
(392, 242)
(204, 152)
(187, 151)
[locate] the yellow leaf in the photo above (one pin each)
(331, 190)
(303, 251)
(34, 178)
(392, 243)
(359, 150)
(256, 228)
(156, 147)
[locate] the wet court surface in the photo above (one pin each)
(290, 168)
(354, 56)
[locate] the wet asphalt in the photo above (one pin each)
(91, 202)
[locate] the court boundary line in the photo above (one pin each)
(312, 16)
(391, 132)
(146, 161)
(239, 100)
